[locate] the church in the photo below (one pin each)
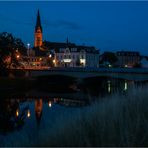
(56, 54)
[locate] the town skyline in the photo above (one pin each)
(109, 26)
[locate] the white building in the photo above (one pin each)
(78, 56)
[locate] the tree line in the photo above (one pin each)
(10, 46)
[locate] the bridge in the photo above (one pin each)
(81, 73)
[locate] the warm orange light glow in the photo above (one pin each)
(28, 114)
(49, 104)
(54, 61)
(18, 56)
(17, 112)
(40, 59)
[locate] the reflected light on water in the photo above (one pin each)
(109, 86)
(17, 113)
(49, 104)
(28, 114)
(125, 86)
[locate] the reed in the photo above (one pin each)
(117, 120)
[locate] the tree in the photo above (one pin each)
(109, 57)
(9, 48)
(137, 65)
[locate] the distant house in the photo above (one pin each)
(127, 58)
(144, 62)
(77, 56)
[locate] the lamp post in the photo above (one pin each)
(28, 45)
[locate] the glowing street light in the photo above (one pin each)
(28, 45)
(50, 56)
(18, 56)
(54, 61)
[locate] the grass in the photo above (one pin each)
(114, 121)
(117, 120)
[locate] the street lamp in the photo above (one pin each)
(18, 56)
(28, 45)
(54, 62)
(50, 56)
(28, 52)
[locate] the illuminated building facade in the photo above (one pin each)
(77, 56)
(63, 54)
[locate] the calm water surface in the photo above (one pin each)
(37, 109)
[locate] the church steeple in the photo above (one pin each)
(38, 32)
(38, 22)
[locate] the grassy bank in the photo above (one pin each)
(112, 121)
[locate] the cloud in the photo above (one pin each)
(63, 24)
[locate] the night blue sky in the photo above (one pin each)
(106, 25)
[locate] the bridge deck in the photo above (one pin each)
(126, 73)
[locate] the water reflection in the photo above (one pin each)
(28, 113)
(109, 86)
(125, 85)
(11, 117)
(49, 104)
(16, 112)
(38, 109)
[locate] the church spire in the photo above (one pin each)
(67, 41)
(38, 32)
(38, 22)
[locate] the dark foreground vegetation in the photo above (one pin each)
(112, 121)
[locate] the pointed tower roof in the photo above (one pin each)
(67, 41)
(38, 22)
